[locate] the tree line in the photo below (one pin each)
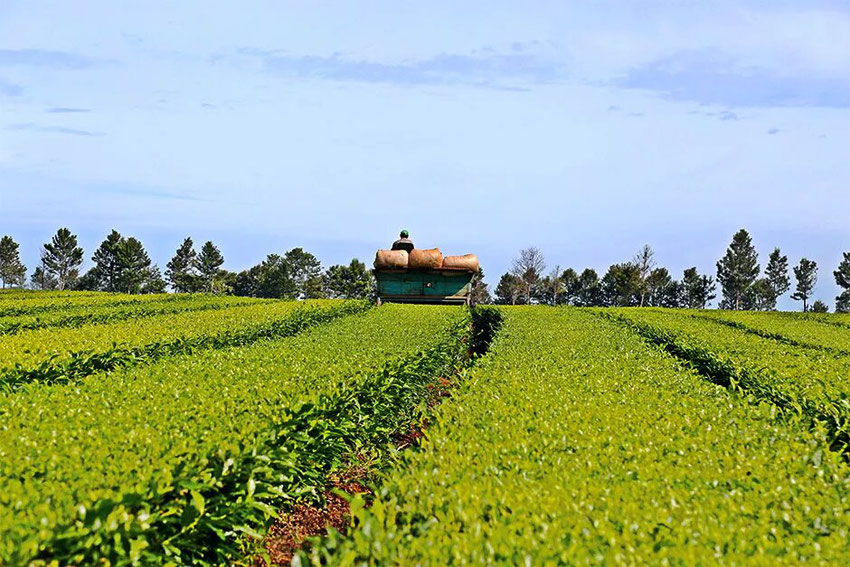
(121, 264)
(640, 282)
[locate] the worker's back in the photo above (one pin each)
(403, 244)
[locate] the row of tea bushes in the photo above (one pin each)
(112, 312)
(62, 355)
(805, 380)
(575, 442)
(177, 461)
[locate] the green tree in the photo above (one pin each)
(842, 278)
(509, 291)
(87, 282)
(181, 271)
(570, 282)
(353, 281)
(737, 270)
(107, 264)
(209, 263)
(269, 279)
(588, 289)
(622, 285)
(134, 265)
(12, 272)
(42, 279)
(480, 294)
(62, 258)
(776, 274)
(552, 290)
(697, 290)
(306, 273)
(806, 274)
(842, 302)
(819, 307)
(154, 283)
(662, 290)
(759, 296)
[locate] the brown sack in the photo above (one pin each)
(425, 259)
(391, 260)
(467, 262)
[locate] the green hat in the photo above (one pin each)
(404, 233)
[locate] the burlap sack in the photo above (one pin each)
(467, 262)
(391, 260)
(425, 259)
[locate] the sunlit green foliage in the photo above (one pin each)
(576, 442)
(792, 367)
(176, 461)
(78, 315)
(52, 355)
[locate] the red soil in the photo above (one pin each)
(290, 532)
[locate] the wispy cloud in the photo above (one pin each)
(157, 193)
(45, 58)
(713, 77)
(486, 68)
(31, 127)
(66, 110)
(722, 115)
(9, 88)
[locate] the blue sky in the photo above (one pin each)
(586, 129)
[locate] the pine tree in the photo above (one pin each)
(759, 296)
(107, 263)
(134, 265)
(662, 290)
(480, 294)
(569, 279)
(153, 281)
(842, 302)
(842, 278)
(806, 274)
(12, 271)
(622, 286)
(62, 258)
(209, 263)
(588, 289)
(737, 270)
(819, 307)
(510, 290)
(181, 271)
(776, 274)
(697, 290)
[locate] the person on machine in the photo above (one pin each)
(404, 242)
